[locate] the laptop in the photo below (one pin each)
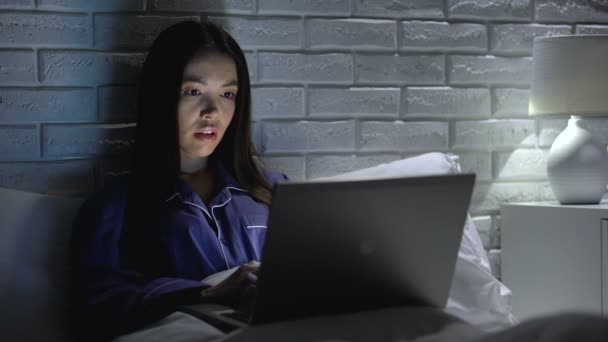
(336, 247)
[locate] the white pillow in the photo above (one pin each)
(475, 295)
(34, 236)
(434, 163)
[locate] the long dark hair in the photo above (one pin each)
(156, 162)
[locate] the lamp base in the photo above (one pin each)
(577, 166)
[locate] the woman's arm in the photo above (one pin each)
(107, 298)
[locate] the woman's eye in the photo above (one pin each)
(229, 95)
(191, 92)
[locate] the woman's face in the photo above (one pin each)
(206, 104)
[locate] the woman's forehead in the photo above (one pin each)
(210, 63)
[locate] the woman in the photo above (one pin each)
(194, 202)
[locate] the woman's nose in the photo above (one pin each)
(208, 109)
(209, 114)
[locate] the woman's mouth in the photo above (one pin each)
(207, 134)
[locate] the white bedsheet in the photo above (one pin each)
(392, 324)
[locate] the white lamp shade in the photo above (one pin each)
(570, 75)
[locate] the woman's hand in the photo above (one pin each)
(233, 289)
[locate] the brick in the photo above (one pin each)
(318, 68)
(90, 140)
(207, 6)
(263, 32)
(376, 102)
(309, 136)
(327, 166)
(382, 69)
(130, 31)
(592, 29)
(488, 233)
(490, 9)
(403, 136)
(549, 129)
(17, 67)
(431, 9)
(488, 197)
(309, 7)
(569, 11)
(19, 142)
(117, 104)
(525, 164)
(520, 38)
(16, 4)
(88, 67)
(494, 133)
(447, 102)
(490, 69)
(277, 102)
(418, 35)
(71, 177)
(292, 167)
(351, 34)
(85, 5)
(35, 28)
(495, 258)
(510, 102)
(47, 105)
(479, 163)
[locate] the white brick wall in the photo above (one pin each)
(278, 102)
(430, 9)
(80, 67)
(510, 102)
(329, 68)
(350, 34)
(569, 11)
(19, 142)
(17, 67)
(263, 32)
(305, 136)
(338, 85)
(308, 7)
(48, 29)
(494, 9)
(490, 70)
(519, 38)
(399, 69)
(115, 31)
(447, 102)
(353, 102)
(429, 35)
(49, 105)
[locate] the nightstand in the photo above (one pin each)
(555, 257)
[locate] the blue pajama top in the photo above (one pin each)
(109, 298)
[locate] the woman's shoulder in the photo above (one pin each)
(111, 197)
(274, 177)
(103, 213)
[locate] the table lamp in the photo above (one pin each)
(570, 78)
